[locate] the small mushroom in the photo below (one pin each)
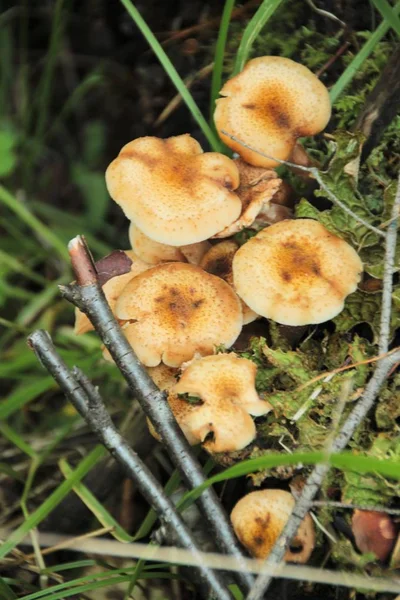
(112, 288)
(258, 186)
(218, 261)
(374, 532)
(155, 253)
(296, 272)
(270, 104)
(225, 384)
(173, 192)
(174, 310)
(260, 517)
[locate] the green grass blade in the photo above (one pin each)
(253, 28)
(33, 222)
(6, 592)
(172, 74)
(52, 501)
(219, 55)
(17, 440)
(17, 266)
(388, 13)
(350, 71)
(96, 507)
(24, 393)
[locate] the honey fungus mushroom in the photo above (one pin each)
(112, 289)
(225, 385)
(260, 517)
(154, 253)
(174, 310)
(269, 105)
(173, 192)
(218, 261)
(296, 272)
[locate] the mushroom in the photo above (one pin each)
(296, 272)
(225, 385)
(174, 310)
(374, 532)
(173, 192)
(257, 188)
(260, 517)
(154, 253)
(112, 288)
(218, 261)
(270, 104)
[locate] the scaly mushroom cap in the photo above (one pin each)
(173, 192)
(155, 253)
(296, 272)
(218, 261)
(175, 310)
(226, 386)
(270, 104)
(112, 289)
(259, 518)
(258, 187)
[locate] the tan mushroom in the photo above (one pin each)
(296, 272)
(270, 104)
(155, 253)
(112, 288)
(172, 191)
(174, 310)
(218, 261)
(260, 517)
(258, 186)
(225, 384)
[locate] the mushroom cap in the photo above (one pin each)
(226, 385)
(155, 253)
(270, 104)
(175, 310)
(258, 186)
(296, 272)
(374, 532)
(260, 517)
(172, 191)
(112, 289)
(218, 261)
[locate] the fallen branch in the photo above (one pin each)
(88, 402)
(313, 483)
(88, 296)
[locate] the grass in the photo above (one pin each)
(37, 426)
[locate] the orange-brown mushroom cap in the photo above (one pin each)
(112, 289)
(155, 253)
(175, 310)
(296, 272)
(172, 191)
(270, 104)
(226, 385)
(218, 261)
(259, 518)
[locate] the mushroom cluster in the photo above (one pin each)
(191, 287)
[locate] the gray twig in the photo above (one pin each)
(89, 298)
(317, 176)
(88, 402)
(390, 255)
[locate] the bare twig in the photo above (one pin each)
(390, 255)
(317, 176)
(89, 298)
(314, 481)
(88, 402)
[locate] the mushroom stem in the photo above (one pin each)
(88, 402)
(90, 299)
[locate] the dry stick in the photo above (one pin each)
(391, 240)
(358, 414)
(316, 174)
(88, 402)
(88, 296)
